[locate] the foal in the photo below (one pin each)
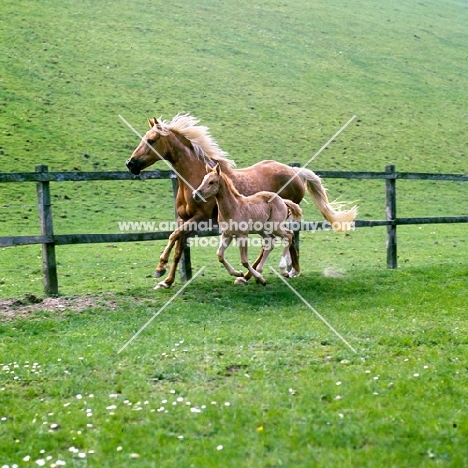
(239, 215)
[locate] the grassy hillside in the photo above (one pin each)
(271, 79)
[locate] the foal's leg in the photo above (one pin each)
(248, 275)
(223, 245)
(268, 245)
(244, 254)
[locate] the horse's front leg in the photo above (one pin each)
(179, 248)
(177, 238)
(223, 245)
(244, 254)
(164, 258)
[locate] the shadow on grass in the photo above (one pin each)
(368, 291)
(219, 290)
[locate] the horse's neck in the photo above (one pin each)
(186, 163)
(184, 160)
(228, 201)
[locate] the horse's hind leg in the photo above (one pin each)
(296, 268)
(289, 248)
(223, 245)
(268, 245)
(245, 261)
(248, 275)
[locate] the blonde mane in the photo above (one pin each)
(204, 145)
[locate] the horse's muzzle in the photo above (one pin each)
(132, 166)
(197, 196)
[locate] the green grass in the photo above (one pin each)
(298, 395)
(271, 80)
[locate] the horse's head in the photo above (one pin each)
(151, 149)
(210, 184)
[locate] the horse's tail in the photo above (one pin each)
(340, 221)
(294, 209)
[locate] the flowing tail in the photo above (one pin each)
(340, 221)
(294, 209)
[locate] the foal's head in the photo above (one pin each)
(210, 184)
(152, 148)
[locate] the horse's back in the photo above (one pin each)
(270, 204)
(271, 176)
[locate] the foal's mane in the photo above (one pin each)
(230, 185)
(203, 143)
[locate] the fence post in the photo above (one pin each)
(185, 261)
(390, 212)
(49, 264)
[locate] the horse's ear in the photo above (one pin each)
(208, 168)
(156, 121)
(151, 123)
(217, 169)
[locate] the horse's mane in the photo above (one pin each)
(204, 145)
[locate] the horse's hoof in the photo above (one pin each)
(294, 274)
(285, 274)
(162, 285)
(240, 280)
(238, 273)
(159, 273)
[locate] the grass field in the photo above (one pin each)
(228, 376)
(252, 371)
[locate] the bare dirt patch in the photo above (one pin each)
(15, 308)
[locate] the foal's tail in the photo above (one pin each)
(340, 220)
(294, 209)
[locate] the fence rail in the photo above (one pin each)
(42, 177)
(76, 176)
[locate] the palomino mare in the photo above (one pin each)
(188, 147)
(262, 213)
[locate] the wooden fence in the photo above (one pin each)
(42, 177)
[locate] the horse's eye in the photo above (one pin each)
(210, 182)
(150, 142)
